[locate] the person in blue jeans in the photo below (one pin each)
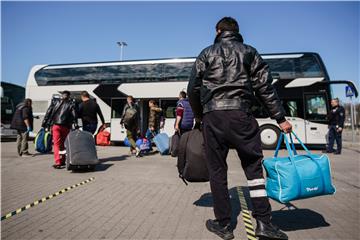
(154, 120)
(88, 111)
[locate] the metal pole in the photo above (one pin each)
(355, 122)
(121, 52)
(352, 120)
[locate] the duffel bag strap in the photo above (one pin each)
(301, 143)
(278, 144)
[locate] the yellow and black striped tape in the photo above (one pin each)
(37, 202)
(249, 228)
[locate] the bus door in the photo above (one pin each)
(117, 132)
(316, 110)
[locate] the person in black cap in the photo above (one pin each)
(61, 115)
(221, 90)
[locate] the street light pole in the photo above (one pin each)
(121, 45)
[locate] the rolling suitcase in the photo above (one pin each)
(162, 143)
(297, 176)
(80, 150)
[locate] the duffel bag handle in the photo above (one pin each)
(293, 149)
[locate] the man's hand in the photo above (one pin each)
(177, 129)
(286, 126)
(339, 129)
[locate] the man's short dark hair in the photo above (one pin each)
(152, 101)
(131, 97)
(335, 99)
(85, 94)
(183, 94)
(227, 24)
(27, 101)
(66, 92)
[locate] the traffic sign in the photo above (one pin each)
(348, 91)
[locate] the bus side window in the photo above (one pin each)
(291, 108)
(169, 108)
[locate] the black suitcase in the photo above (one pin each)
(191, 157)
(80, 150)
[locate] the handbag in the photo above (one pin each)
(297, 176)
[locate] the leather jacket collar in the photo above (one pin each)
(229, 36)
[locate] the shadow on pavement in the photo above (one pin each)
(298, 219)
(290, 218)
(98, 168)
(206, 200)
(114, 159)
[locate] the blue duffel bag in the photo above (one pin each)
(297, 176)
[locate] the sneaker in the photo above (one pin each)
(27, 154)
(56, 166)
(138, 152)
(225, 232)
(337, 153)
(268, 230)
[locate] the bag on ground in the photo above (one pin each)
(297, 176)
(103, 137)
(174, 144)
(191, 157)
(143, 144)
(43, 141)
(162, 143)
(80, 149)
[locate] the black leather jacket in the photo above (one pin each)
(61, 112)
(226, 75)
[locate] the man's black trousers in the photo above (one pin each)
(334, 135)
(240, 130)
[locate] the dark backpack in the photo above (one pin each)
(130, 117)
(191, 157)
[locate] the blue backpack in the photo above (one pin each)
(43, 141)
(297, 176)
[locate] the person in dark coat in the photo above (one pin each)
(23, 122)
(221, 90)
(88, 112)
(60, 116)
(336, 125)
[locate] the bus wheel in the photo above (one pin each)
(269, 136)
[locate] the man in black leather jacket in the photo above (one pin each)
(221, 90)
(61, 115)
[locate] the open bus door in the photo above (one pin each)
(316, 111)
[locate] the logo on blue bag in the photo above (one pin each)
(312, 189)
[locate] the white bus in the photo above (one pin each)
(301, 81)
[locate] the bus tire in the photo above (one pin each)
(269, 135)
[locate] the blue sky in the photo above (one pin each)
(67, 32)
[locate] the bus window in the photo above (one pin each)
(315, 107)
(291, 108)
(169, 108)
(117, 106)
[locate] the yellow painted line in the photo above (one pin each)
(37, 202)
(245, 213)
